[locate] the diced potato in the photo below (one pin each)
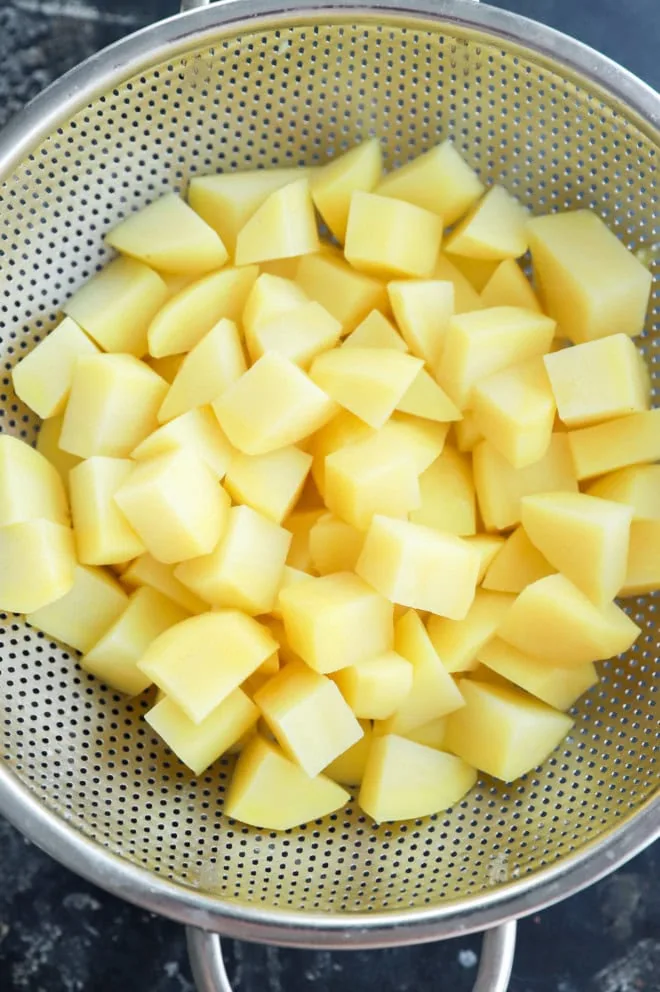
(554, 621)
(334, 546)
(348, 768)
(272, 405)
(467, 433)
(300, 524)
(168, 235)
(431, 734)
(500, 486)
(488, 546)
(176, 281)
(514, 409)
(38, 564)
(447, 495)
(189, 315)
(458, 642)
(202, 660)
(404, 780)
(271, 792)
(425, 398)
(508, 286)
(284, 268)
(637, 486)
(102, 532)
(146, 571)
(584, 537)
(375, 688)
(290, 576)
(333, 184)
(244, 570)
(343, 429)
(30, 487)
(112, 406)
(391, 237)
(283, 226)
(422, 308)
(477, 270)
(116, 306)
(516, 564)
(263, 674)
(175, 505)
(276, 629)
(300, 335)
(439, 180)
(375, 331)
(368, 382)
(559, 687)
(502, 731)
(166, 367)
(85, 612)
(114, 657)
(466, 298)
(336, 621)
(348, 295)
(419, 567)
(270, 297)
(269, 483)
(616, 444)
(423, 440)
(198, 431)
(494, 228)
(42, 380)
(198, 745)
(643, 571)
(486, 341)
(48, 445)
(588, 281)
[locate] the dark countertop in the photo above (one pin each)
(59, 934)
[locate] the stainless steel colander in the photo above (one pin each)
(250, 83)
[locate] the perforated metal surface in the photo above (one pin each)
(299, 94)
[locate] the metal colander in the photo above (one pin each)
(245, 84)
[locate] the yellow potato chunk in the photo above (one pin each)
(643, 570)
(198, 431)
(508, 286)
(554, 621)
(283, 226)
(48, 445)
(175, 505)
(494, 228)
(290, 576)
(348, 295)
(558, 687)
(335, 621)
(423, 440)
(244, 570)
(514, 409)
(391, 237)
(103, 534)
(42, 380)
(425, 398)
(112, 406)
(348, 768)
(169, 236)
(334, 546)
(341, 430)
(30, 487)
(166, 367)
(487, 546)
(439, 180)
(114, 657)
(300, 335)
(270, 484)
(270, 791)
(483, 342)
(375, 688)
(274, 404)
(85, 612)
(466, 298)
(431, 734)
(615, 444)
(198, 745)
(419, 567)
(38, 564)
(584, 537)
(299, 524)
(504, 732)
(637, 486)
(146, 571)
(333, 184)
(476, 270)
(500, 486)
(516, 564)
(404, 780)
(270, 297)
(588, 280)
(422, 308)
(467, 433)
(458, 642)
(190, 314)
(375, 331)
(448, 501)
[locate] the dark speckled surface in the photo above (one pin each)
(58, 934)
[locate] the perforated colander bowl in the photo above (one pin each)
(260, 83)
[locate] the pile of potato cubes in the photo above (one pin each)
(354, 506)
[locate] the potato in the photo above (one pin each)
(42, 380)
(495, 228)
(559, 687)
(102, 532)
(447, 495)
(283, 226)
(404, 780)
(300, 524)
(422, 308)
(290, 576)
(270, 484)
(375, 688)
(343, 429)
(487, 546)
(588, 281)
(348, 295)
(166, 367)
(516, 564)
(333, 184)
(38, 564)
(431, 734)
(300, 334)
(336, 621)
(30, 488)
(419, 567)
(616, 444)
(508, 286)
(375, 331)
(643, 570)
(334, 546)
(169, 236)
(348, 768)
(425, 398)
(466, 432)
(466, 298)
(637, 486)
(502, 731)
(270, 297)
(146, 571)
(198, 431)
(386, 237)
(458, 642)
(48, 445)
(112, 406)
(423, 440)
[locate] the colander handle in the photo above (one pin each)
(495, 965)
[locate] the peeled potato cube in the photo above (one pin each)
(270, 297)
(299, 524)
(643, 569)
(271, 483)
(333, 184)
(175, 505)
(348, 768)
(422, 308)
(615, 444)
(30, 487)
(270, 791)
(516, 564)
(375, 688)
(38, 564)
(42, 380)
(112, 406)
(146, 571)
(487, 546)
(334, 546)
(477, 271)
(404, 780)
(198, 431)
(494, 228)
(467, 433)
(300, 335)
(458, 642)
(169, 236)
(336, 621)
(419, 567)
(290, 577)
(559, 687)
(554, 621)
(637, 486)
(348, 295)
(466, 298)
(423, 440)
(375, 331)
(508, 286)
(448, 501)
(588, 280)
(431, 734)
(48, 445)
(391, 237)
(103, 534)
(343, 429)
(425, 398)
(166, 367)
(283, 226)
(502, 731)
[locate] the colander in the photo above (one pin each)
(249, 83)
